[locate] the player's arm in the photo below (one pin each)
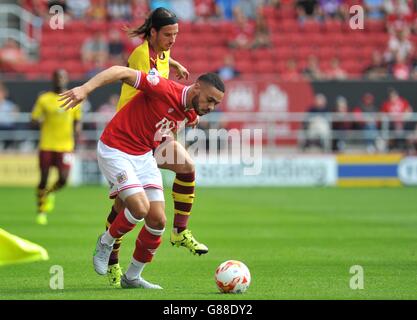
(76, 95)
(181, 71)
(37, 114)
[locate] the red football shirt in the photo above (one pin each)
(153, 113)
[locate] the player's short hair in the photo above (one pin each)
(157, 19)
(213, 79)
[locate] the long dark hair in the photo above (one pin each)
(157, 19)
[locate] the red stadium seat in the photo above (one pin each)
(265, 66)
(333, 26)
(288, 25)
(270, 12)
(245, 66)
(310, 27)
(374, 26)
(326, 53)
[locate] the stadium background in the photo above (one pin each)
(279, 55)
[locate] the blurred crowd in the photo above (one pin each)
(327, 125)
(250, 31)
(330, 126)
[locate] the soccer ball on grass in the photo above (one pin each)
(232, 276)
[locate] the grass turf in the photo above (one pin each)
(299, 243)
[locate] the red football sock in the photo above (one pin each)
(146, 244)
(121, 226)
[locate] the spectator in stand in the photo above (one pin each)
(398, 110)
(400, 69)
(413, 73)
(205, 9)
(78, 8)
(228, 71)
(412, 141)
(331, 9)
(98, 65)
(312, 71)
(116, 48)
(95, 48)
(97, 11)
(243, 33)
(374, 9)
(119, 10)
(106, 111)
(251, 8)
(291, 72)
(261, 36)
(37, 7)
(377, 70)
(341, 124)
(335, 71)
(184, 9)
(140, 10)
(365, 119)
(316, 124)
(226, 9)
(11, 56)
(396, 7)
(307, 9)
(8, 117)
(399, 43)
(399, 15)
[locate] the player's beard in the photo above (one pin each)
(196, 105)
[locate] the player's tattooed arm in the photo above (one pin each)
(76, 95)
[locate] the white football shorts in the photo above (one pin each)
(129, 174)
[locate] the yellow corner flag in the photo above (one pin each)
(17, 250)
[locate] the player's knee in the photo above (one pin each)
(137, 204)
(118, 205)
(189, 166)
(157, 223)
(141, 209)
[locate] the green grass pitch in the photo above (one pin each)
(299, 243)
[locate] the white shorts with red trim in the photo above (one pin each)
(129, 174)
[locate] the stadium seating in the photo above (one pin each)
(204, 45)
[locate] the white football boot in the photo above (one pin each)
(137, 283)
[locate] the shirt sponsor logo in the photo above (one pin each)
(165, 126)
(153, 77)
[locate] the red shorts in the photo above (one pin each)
(60, 160)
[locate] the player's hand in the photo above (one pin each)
(73, 97)
(182, 72)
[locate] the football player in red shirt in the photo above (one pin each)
(125, 154)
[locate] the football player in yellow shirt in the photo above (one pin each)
(56, 142)
(159, 33)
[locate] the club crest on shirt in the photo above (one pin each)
(121, 177)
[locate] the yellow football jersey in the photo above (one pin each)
(57, 125)
(139, 60)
